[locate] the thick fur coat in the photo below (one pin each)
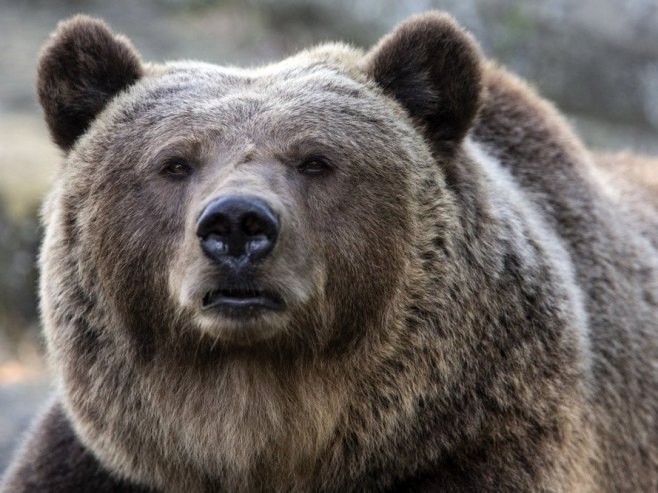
(470, 295)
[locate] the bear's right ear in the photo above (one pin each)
(81, 68)
(431, 66)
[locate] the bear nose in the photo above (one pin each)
(237, 226)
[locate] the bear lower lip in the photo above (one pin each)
(236, 301)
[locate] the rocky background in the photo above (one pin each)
(596, 59)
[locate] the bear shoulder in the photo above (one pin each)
(53, 459)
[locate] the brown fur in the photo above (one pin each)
(81, 68)
(469, 308)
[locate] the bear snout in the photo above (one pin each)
(237, 230)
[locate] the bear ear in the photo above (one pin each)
(81, 68)
(432, 67)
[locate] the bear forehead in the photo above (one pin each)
(282, 104)
(197, 88)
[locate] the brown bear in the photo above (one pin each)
(387, 271)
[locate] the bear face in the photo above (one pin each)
(222, 244)
(177, 145)
(313, 138)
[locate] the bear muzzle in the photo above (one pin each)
(235, 233)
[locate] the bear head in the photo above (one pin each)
(210, 224)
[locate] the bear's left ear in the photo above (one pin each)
(432, 67)
(82, 67)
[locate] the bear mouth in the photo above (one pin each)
(240, 302)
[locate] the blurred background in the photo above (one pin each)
(596, 59)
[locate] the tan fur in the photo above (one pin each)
(469, 308)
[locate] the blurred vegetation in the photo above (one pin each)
(19, 240)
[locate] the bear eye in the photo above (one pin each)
(177, 168)
(313, 166)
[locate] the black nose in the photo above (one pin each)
(237, 227)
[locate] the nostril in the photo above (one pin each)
(216, 244)
(258, 244)
(252, 224)
(222, 226)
